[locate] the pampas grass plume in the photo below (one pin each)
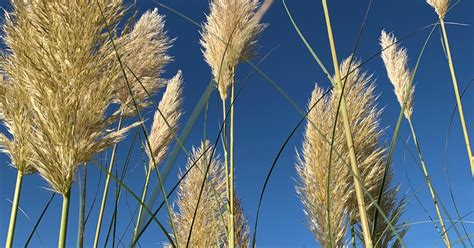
(211, 219)
(395, 59)
(313, 162)
(144, 51)
(440, 6)
(229, 37)
(165, 123)
(69, 90)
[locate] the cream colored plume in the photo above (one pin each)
(229, 37)
(313, 162)
(395, 59)
(57, 52)
(164, 129)
(14, 116)
(211, 219)
(440, 6)
(144, 54)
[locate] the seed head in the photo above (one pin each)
(229, 36)
(395, 59)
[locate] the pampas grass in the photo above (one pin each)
(441, 7)
(328, 217)
(165, 124)
(13, 115)
(144, 51)
(210, 223)
(229, 37)
(69, 90)
(337, 84)
(395, 59)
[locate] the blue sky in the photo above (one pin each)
(264, 118)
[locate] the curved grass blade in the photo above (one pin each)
(163, 229)
(138, 114)
(397, 128)
(451, 192)
(272, 167)
(38, 221)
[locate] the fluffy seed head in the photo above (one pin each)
(143, 52)
(57, 51)
(13, 115)
(395, 59)
(162, 130)
(211, 219)
(440, 6)
(229, 37)
(312, 166)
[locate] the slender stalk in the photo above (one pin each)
(430, 186)
(227, 172)
(347, 129)
(16, 199)
(82, 211)
(106, 188)
(143, 198)
(458, 97)
(64, 219)
(232, 193)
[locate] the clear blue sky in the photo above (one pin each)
(264, 118)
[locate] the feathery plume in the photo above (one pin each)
(62, 63)
(14, 116)
(211, 219)
(312, 166)
(165, 123)
(440, 6)
(229, 36)
(144, 51)
(395, 59)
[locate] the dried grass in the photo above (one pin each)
(395, 59)
(144, 52)
(210, 225)
(229, 37)
(165, 124)
(312, 166)
(62, 61)
(440, 6)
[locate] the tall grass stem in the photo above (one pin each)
(458, 97)
(143, 198)
(64, 220)
(16, 199)
(430, 186)
(231, 177)
(82, 210)
(347, 129)
(106, 188)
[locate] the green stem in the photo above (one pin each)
(232, 193)
(430, 186)
(106, 188)
(16, 198)
(143, 198)
(82, 211)
(458, 97)
(347, 129)
(64, 219)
